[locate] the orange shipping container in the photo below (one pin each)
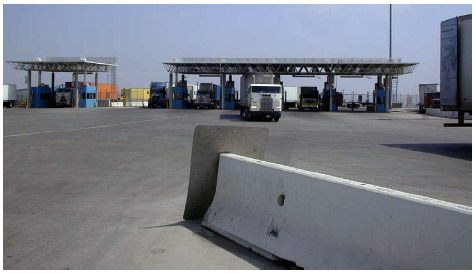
(107, 91)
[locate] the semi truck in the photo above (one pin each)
(291, 97)
(63, 97)
(423, 90)
(261, 101)
(308, 98)
(456, 67)
(9, 95)
(158, 95)
(208, 96)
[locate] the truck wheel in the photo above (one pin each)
(276, 119)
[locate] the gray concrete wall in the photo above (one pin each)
(324, 222)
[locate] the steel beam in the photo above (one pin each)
(223, 86)
(28, 103)
(386, 93)
(76, 89)
(96, 83)
(170, 91)
(52, 89)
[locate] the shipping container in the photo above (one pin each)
(135, 96)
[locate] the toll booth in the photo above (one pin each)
(379, 99)
(41, 97)
(229, 94)
(87, 96)
(180, 95)
(326, 100)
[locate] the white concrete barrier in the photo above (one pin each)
(324, 222)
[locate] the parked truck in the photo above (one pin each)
(208, 96)
(9, 95)
(158, 95)
(308, 97)
(63, 97)
(423, 98)
(261, 101)
(456, 67)
(291, 97)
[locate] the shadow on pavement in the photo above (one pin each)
(455, 150)
(232, 247)
(231, 117)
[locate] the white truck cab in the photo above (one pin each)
(261, 101)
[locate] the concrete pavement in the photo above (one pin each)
(105, 188)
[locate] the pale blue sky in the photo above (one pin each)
(143, 36)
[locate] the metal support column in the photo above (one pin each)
(85, 74)
(223, 86)
(386, 93)
(96, 83)
(52, 89)
(76, 89)
(39, 78)
(170, 90)
(330, 88)
(28, 103)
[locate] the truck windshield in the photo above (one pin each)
(265, 89)
(157, 90)
(203, 92)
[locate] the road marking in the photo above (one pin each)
(93, 127)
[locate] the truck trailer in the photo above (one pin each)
(291, 97)
(456, 67)
(9, 95)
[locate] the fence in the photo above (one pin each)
(405, 100)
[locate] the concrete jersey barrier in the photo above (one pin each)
(324, 222)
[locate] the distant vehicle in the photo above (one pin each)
(158, 95)
(423, 99)
(208, 96)
(291, 97)
(353, 105)
(9, 95)
(308, 98)
(63, 97)
(261, 101)
(456, 67)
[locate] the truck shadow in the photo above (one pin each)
(238, 118)
(455, 150)
(231, 117)
(230, 246)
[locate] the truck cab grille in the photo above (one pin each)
(266, 104)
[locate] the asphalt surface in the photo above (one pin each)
(105, 188)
